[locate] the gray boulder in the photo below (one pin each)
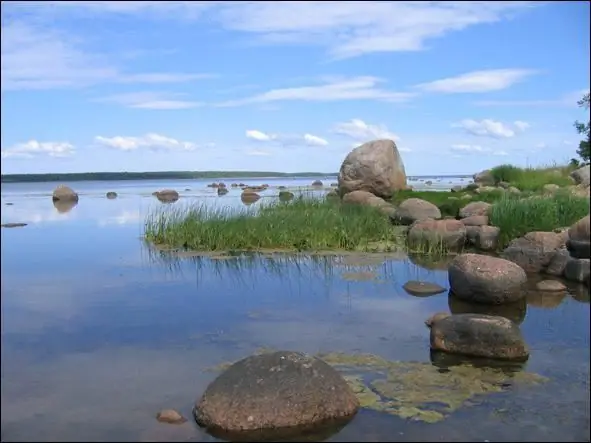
(534, 251)
(582, 176)
(413, 209)
(273, 392)
(479, 336)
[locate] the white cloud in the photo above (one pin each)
(258, 153)
(501, 153)
(359, 130)
(40, 58)
(253, 134)
(478, 81)
(469, 148)
(491, 128)
(33, 148)
(286, 139)
(150, 100)
(356, 88)
(569, 100)
(521, 125)
(346, 29)
(149, 141)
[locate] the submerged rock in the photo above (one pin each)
(515, 311)
(480, 336)
(13, 225)
(275, 391)
(550, 286)
(64, 206)
(167, 195)
(421, 288)
(488, 280)
(111, 195)
(170, 416)
(222, 190)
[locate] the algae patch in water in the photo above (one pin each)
(421, 391)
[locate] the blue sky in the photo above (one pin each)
(289, 86)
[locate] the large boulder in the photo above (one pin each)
(375, 167)
(535, 250)
(484, 177)
(447, 235)
(414, 209)
(577, 269)
(582, 176)
(579, 238)
(273, 392)
(558, 262)
(479, 336)
(488, 280)
(64, 193)
(248, 196)
(475, 208)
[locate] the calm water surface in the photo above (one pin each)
(98, 334)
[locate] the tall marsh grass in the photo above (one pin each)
(303, 224)
(532, 179)
(517, 217)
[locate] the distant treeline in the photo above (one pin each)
(163, 175)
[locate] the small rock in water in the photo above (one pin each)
(419, 288)
(14, 225)
(550, 286)
(9, 204)
(170, 416)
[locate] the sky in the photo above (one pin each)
(289, 86)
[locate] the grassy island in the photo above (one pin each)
(312, 224)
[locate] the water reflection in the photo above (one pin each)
(515, 312)
(64, 206)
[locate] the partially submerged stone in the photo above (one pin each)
(550, 286)
(577, 269)
(534, 251)
(515, 311)
(483, 279)
(422, 288)
(14, 225)
(111, 195)
(274, 391)
(167, 195)
(64, 193)
(170, 416)
(480, 336)
(436, 317)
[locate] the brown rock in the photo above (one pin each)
(170, 416)
(375, 167)
(413, 209)
(479, 336)
(488, 280)
(448, 234)
(436, 317)
(476, 220)
(422, 288)
(550, 286)
(64, 193)
(275, 391)
(475, 208)
(581, 230)
(249, 197)
(317, 183)
(222, 190)
(167, 195)
(534, 251)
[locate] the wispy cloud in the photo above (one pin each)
(362, 131)
(466, 149)
(286, 139)
(150, 100)
(346, 29)
(491, 128)
(35, 57)
(478, 81)
(149, 141)
(356, 88)
(34, 148)
(570, 99)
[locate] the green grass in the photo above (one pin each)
(532, 179)
(517, 217)
(302, 224)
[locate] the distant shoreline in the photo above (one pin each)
(175, 175)
(159, 175)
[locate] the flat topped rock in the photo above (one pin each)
(275, 391)
(550, 286)
(422, 288)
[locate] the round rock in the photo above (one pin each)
(111, 195)
(488, 280)
(422, 288)
(413, 209)
(275, 391)
(550, 286)
(479, 336)
(64, 193)
(475, 208)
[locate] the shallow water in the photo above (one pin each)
(99, 332)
